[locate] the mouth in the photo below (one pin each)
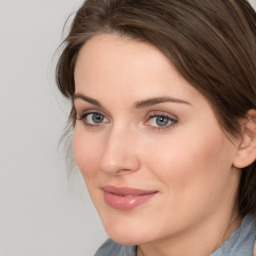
(125, 198)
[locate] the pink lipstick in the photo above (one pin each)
(125, 198)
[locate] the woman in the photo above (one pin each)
(163, 99)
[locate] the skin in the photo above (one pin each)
(189, 161)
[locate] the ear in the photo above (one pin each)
(246, 152)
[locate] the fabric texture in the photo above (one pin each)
(241, 243)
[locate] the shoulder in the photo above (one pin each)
(110, 248)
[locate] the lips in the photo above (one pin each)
(125, 198)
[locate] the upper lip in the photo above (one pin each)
(127, 191)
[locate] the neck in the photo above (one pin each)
(198, 241)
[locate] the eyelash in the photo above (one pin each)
(171, 121)
(85, 115)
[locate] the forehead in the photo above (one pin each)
(107, 52)
(114, 66)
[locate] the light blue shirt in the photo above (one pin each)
(240, 243)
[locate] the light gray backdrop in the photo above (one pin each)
(42, 210)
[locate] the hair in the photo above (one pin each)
(212, 44)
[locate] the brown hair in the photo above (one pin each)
(211, 43)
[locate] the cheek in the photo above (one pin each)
(86, 153)
(190, 159)
(193, 173)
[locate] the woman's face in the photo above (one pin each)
(155, 160)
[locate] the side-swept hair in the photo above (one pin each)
(211, 43)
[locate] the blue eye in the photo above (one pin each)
(93, 119)
(161, 121)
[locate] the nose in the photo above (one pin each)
(119, 153)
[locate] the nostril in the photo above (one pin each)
(124, 171)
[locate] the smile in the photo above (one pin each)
(124, 198)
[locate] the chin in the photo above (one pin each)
(128, 227)
(128, 234)
(127, 242)
(126, 239)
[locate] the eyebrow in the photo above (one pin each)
(85, 98)
(139, 104)
(158, 100)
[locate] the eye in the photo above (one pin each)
(93, 119)
(160, 121)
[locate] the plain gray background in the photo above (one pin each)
(43, 211)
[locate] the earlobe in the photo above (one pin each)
(246, 152)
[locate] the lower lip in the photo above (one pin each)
(126, 203)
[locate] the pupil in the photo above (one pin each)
(97, 118)
(162, 121)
